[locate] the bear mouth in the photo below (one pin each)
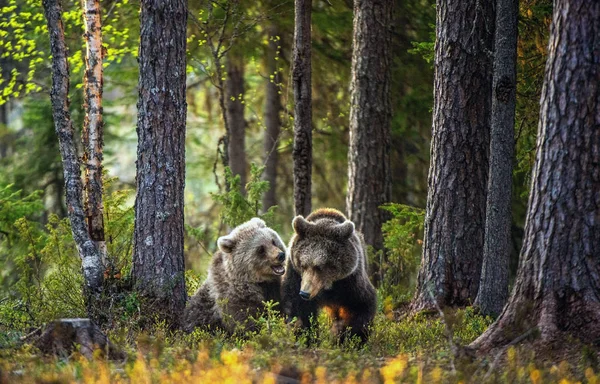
(278, 269)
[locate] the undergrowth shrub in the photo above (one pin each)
(161, 361)
(424, 333)
(402, 239)
(238, 208)
(46, 269)
(13, 206)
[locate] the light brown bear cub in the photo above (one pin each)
(245, 272)
(326, 268)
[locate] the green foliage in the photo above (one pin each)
(193, 281)
(402, 238)
(238, 208)
(422, 333)
(410, 349)
(119, 218)
(22, 30)
(425, 49)
(47, 280)
(13, 205)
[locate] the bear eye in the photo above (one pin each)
(273, 242)
(261, 250)
(317, 268)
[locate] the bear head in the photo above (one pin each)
(322, 250)
(253, 252)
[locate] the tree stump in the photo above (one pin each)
(62, 337)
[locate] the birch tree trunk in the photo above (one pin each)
(234, 104)
(301, 77)
(493, 286)
(93, 125)
(557, 290)
(90, 256)
(457, 183)
(158, 262)
(369, 174)
(272, 120)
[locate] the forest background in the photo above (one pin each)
(38, 257)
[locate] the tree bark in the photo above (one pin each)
(369, 174)
(493, 285)
(457, 182)
(93, 125)
(234, 88)
(272, 120)
(158, 262)
(91, 260)
(301, 77)
(558, 284)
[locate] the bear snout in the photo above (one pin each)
(281, 256)
(305, 295)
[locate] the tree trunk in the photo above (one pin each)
(369, 175)
(93, 125)
(234, 90)
(272, 120)
(158, 263)
(493, 285)
(301, 76)
(93, 270)
(456, 199)
(558, 284)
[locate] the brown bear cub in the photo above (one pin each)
(326, 268)
(245, 272)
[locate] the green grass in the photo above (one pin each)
(410, 349)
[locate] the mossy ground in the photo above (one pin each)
(409, 349)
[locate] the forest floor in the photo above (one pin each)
(403, 349)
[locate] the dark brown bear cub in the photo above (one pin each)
(326, 268)
(245, 272)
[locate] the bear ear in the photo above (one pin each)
(300, 225)
(226, 244)
(344, 230)
(258, 222)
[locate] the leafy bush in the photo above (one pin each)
(47, 280)
(238, 208)
(402, 239)
(13, 206)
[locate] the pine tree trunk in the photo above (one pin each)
(493, 285)
(93, 126)
(234, 97)
(301, 75)
(158, 263)
(558, 284)
(369, 174)
(456, 199)
(93, 271)
(272, 120)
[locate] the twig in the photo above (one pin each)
(30, 334)
(503, 349)
(109, 11)
(219, 156)
(520, 130)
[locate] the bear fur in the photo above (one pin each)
(245, 272)
(326, 268)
